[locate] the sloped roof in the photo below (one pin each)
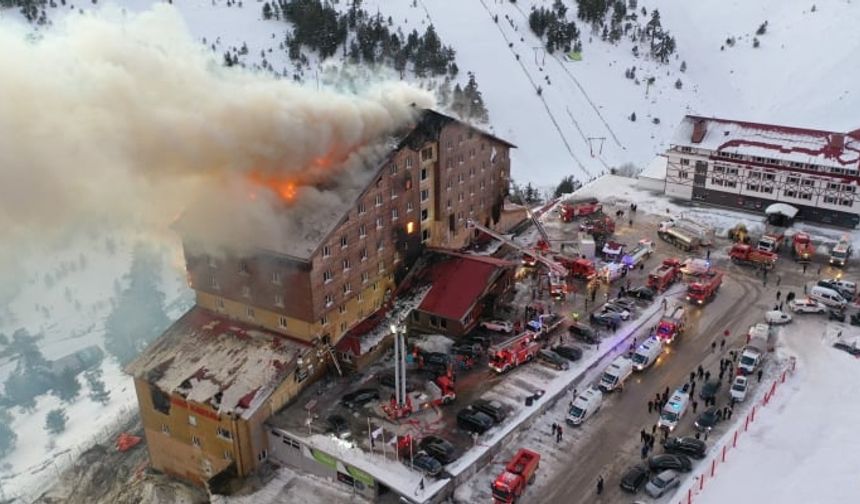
(210, 359)
(458, 284)
(808, 146)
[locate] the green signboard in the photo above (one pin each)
(360, 475)
(324, 459)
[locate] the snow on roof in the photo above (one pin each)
(824, 148)
(203, 355)
(781, 208)
(656, 169)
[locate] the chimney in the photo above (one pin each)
(837, 142)
(699, 129)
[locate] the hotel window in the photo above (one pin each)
(769, 176)
(279, 300)
(344, 241)
(228, 455)
(276, 277)
(460, 197)
(250, 312)
(409, 162)
(329, 300)
(343, 327)
(165, 429)
(425, 194)
(424, 214)
(449, 163)
(830, 199)
(362, 209)
(347, 288)
(324, 320)
(363, 254)
(807, 182)
(195, 441)
(362, 231)
(360, 296)
(365, 277)
(731, 183)
(832, 186)
(381, 266)
(460, 159)
(379, 223)
(394, 214)
(393, 193)
(393, 168)
(425, 235)
(192, 420)
(686, 149)
(410, 206)
(223, 433)
(346, 264)
(219, 303)
(460, 178)
(766, 189)
(378, 200)
(327, 276)
(427, 154)
(846, 202)
(849, 188)
(685, 161)
(716, 181)
(380, 245)
(805, 196)
(282, 322)
(792, 180)
(448, 185)
(213, 263)
(682, 174)
(341, 309)
(326, 251)
(423, 173)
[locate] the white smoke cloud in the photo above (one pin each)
(126, 118)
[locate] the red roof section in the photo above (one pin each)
(457, 284)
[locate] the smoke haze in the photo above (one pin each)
(115, 118)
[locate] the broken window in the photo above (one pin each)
(160, 400)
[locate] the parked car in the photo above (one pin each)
(617, 309)
(569, 352)
(553, 360)
(634, 477)
(836, 314)
(806, 305)
(435, 358)
(673, 461)
(438, 448)
(472, 420)
(688, 446)
(707, 419)
(337, 424)
(662, 483)
(845, 347)
(642, 292)
(583, 332)
(359, 397)
(845, 288)
(479, 339)
(777, 317)
(498, 325)
(738, 391)
(605, 319)
(493, 409)
(709, 389)
(627, 304)
(423, 462)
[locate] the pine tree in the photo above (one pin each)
(678, 84)
(267, 11)
(66, 385)
(633, 117)
(55, 422)
(566, 186)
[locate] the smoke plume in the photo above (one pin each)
(127, 119)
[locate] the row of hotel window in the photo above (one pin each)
(776, 162)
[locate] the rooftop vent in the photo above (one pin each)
(699, 129)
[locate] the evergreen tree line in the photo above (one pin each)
(560, 33)
(33, 10)
(324, 30)
(468, 103)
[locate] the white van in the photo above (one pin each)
(647, 353)
(616, 373)
(827, 297)
(674, 410)
(584, 406)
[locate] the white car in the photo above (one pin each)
(738, 390)
(777, 317)
(498, 325)
(806, 305)
(615, 308)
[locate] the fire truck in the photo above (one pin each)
(639, 254)
(802, 248)
(577, 268)
(672, 324)
(704, 288)
(514, 351)
(745, 254)
(772, 239)
(664, 275)
(679, 237)
(518, 474)
(613, 251)
(570, 210)
(840, 252)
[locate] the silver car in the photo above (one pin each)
(662, 483)
(617, 309)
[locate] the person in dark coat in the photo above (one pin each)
(599, 485)
(692, 376)
(760, 371)
(695, 405)
(707, 375)
(701, 371)
(643, 436)
(650, 406)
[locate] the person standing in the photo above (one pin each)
(600, 485)
(760, 371)
(713, 346)
(650, 406)
(558, 434)
(695, 405)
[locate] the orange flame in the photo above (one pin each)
(284, 188)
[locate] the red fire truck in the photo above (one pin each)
(518, 474)
(802, 247)
(578, 268)
(745, 254)
(705, 287)
(514, 351)
(672, 325)
(664, 275)
(569, 210)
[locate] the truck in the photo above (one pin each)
(746, 255)
(616, 374)
(664, 275)
(519, 472)
(758, 342)
(598, 224)
(672, 325)
(639, 254)
(679, 238)
(840, 252)
(613, 251)
(546, 323)
(772, 239)
(702, 233)
(611, 272)
(802, 248)
(513, 352)
(704, 288)
(577, 267)
(571, 209)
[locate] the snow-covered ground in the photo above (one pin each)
(802, 446)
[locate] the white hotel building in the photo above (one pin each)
(750, 166)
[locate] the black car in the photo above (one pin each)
(479, 339)
(709, 389)
(569, 352)
(852, 349)
(675, 462)
(836, 314)
(359, 397)
(708, 419)
(472, 420)
(423, 462)
(438, 448)
(553, 360)
(493, 409)
(583, 332)
(642, 292)
(435, 359)
(337, 424)
(688, 446)
(634, 477)
(605, 319)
